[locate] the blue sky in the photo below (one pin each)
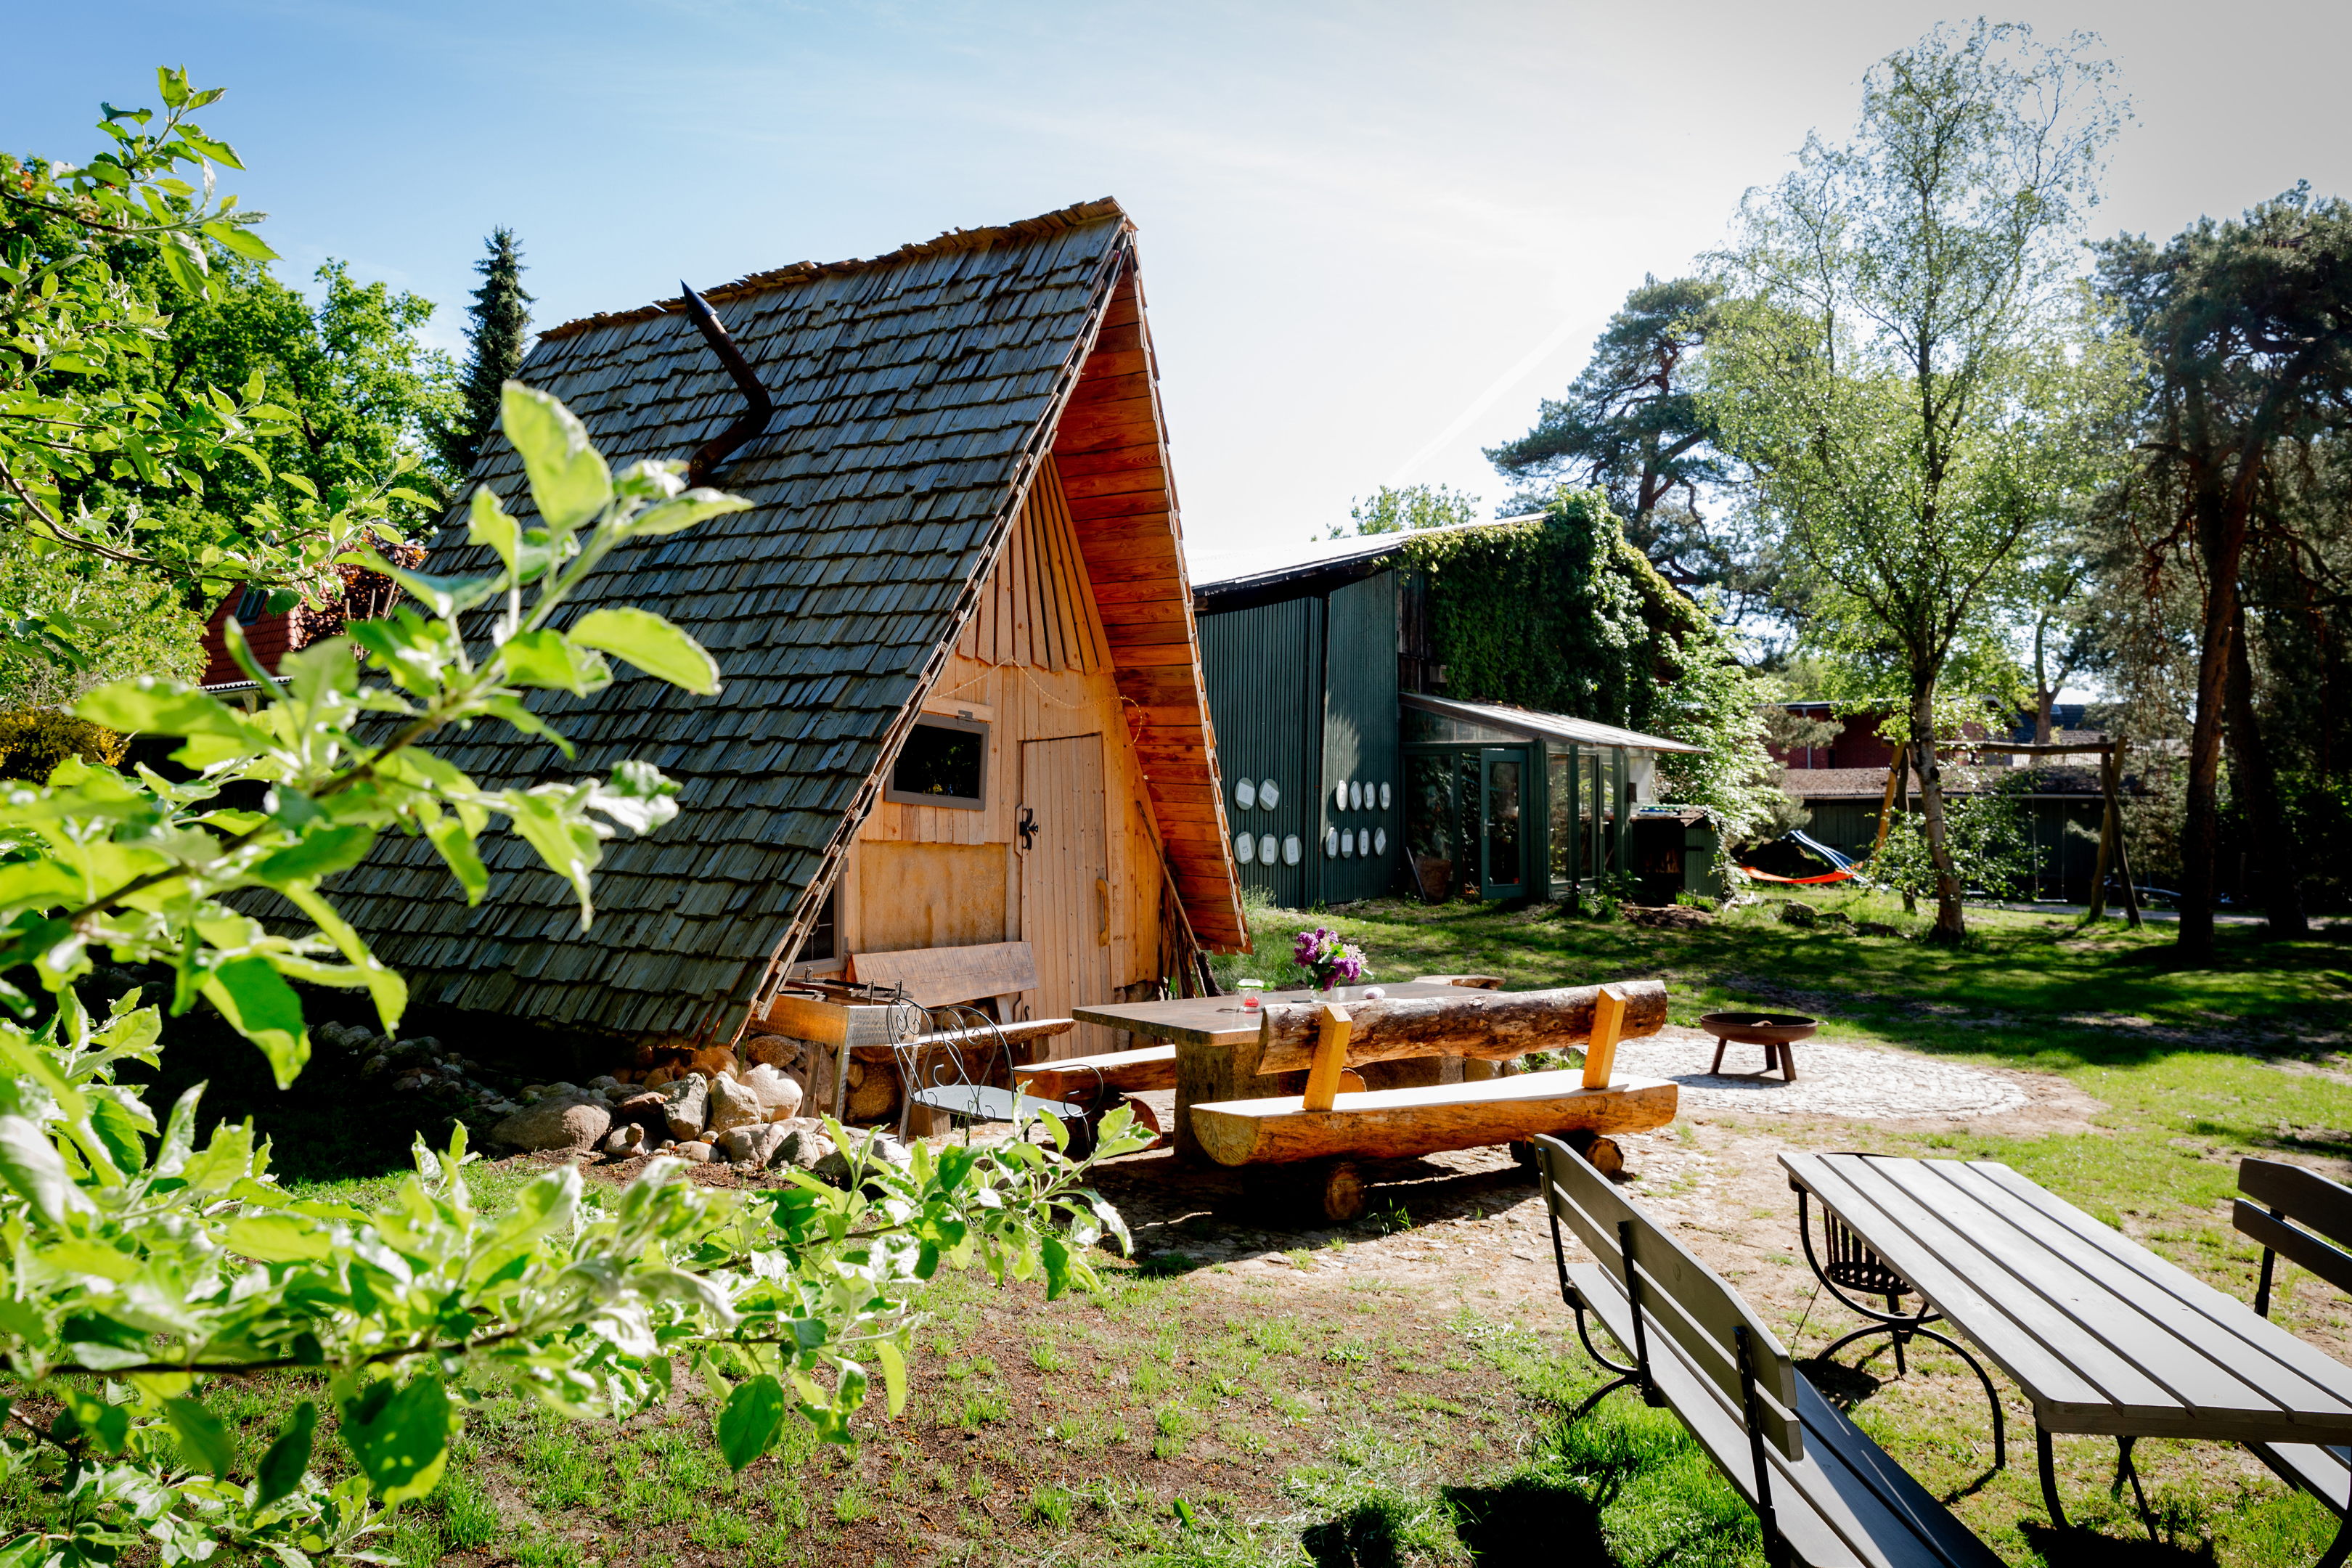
(1373, 234)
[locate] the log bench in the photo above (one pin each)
(1826, 1494)
(1322, 1132)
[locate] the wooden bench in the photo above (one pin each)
(2305, 1218)
(1328, 1133)
(1825, 1495)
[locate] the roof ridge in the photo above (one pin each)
(953, 240)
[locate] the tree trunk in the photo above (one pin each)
(2221, 514)
(2269, 837)
(1951, 924)
(2043, 701)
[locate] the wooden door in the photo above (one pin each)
(1066, 900)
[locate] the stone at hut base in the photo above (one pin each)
(880, 1149)
(756, 1146)
(650, 1111)
(803, 1144)
(688, 1107)
(697, 1152)
(555, 1123)
(733, 1106)
(781, 1051)
(778, 1097)
(625, 1141)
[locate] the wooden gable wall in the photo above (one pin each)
(1033, 665)
(1111, 450)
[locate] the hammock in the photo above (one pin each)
(1838, 875)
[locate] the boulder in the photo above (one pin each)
(1796, 914)
(555, 1123)
(649, 1110)
(803, 1142)
(1875, 928)
(686, 1109)
(625, 1141)
(880, 1148)
(781, 1051)
(733, 1106)
(713, 1062)
(779, 1096)
(695, 1150)
(756, 1146)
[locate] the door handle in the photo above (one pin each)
(1102, 912)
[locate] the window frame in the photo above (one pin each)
(896, 796)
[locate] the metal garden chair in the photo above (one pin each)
(949, 1060)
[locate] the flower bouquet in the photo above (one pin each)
(1332, 962)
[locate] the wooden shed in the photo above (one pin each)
(963, 708)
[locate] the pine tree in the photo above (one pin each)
(502, 320)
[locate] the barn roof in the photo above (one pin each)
(916, 396)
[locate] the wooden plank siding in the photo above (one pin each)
(1110, 452)
(1033, 662)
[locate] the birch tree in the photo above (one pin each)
(1897, 365)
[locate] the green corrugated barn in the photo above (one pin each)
(1349, 775)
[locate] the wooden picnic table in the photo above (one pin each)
(2101, 1335)
(1216, 1043)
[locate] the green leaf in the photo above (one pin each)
(108, 1426)
(569, 480)
(277, 1238)
(894, 1373)
(282, 1467)
(32, 1169)
(219, 153)
(389, 991)
(513, 711)
(203, 1439)
(450, 836)
(564, 839)
(258, 1003)
(118, 1118)
(400, 1436)
(1055, 1255)
(653, 645)
(149, 706)
(445, 596)
(317, 854)
(241, 239)
(487, 523)
(753, 1415)
(683, 511)
(550, 659)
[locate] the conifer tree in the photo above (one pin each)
(502, 316)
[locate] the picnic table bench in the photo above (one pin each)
(1332, 1124)
(2102, 1336)
(1826, 1494)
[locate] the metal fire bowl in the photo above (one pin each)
(1759, 1028)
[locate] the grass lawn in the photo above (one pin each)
(1394, 1392)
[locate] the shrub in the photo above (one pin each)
(34, 740)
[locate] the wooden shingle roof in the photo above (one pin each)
(916, 395)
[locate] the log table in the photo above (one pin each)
(1216, 1043)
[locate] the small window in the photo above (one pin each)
(944, 763)
(251, 606)
(820, 938)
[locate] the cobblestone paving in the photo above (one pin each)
(1832, 1079)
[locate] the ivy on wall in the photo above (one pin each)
(1560, 615)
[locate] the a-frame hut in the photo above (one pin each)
(963, 704)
